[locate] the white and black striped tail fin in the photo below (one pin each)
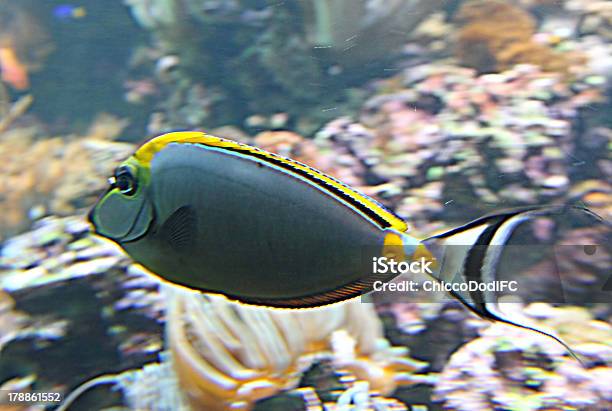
(471, 253)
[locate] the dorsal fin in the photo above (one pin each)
(379, 214)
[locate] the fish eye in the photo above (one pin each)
(125, 181)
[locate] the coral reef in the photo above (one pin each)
(58, 175)
(15, 324)
(55, 250)
(73, 290)
(227, 355)
(496, 35)
(510, 368)
(141, 390)
(433, 331)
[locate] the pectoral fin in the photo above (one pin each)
(180, 229)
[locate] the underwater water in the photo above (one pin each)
(442, 111)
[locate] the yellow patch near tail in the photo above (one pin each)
(393, 247)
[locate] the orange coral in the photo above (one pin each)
(496, 35)
(24, 42)
(14, 72)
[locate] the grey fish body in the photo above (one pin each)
(298, 244)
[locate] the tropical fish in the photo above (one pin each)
(14, 72)
(67, 12)
(218, 216)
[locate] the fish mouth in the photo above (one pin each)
(92, 210)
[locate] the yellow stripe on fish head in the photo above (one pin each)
(147, 151)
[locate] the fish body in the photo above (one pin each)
(222, 217)
(218, 216)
